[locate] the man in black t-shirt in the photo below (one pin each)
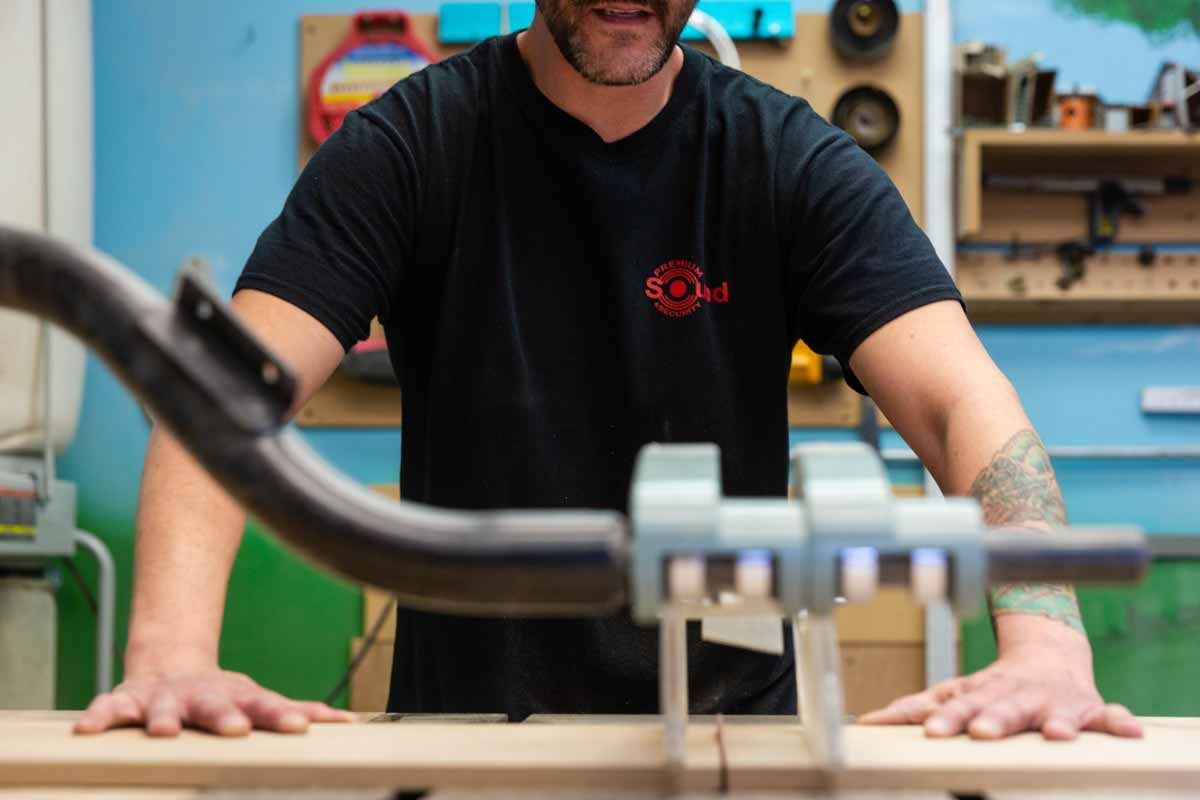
(580, 239)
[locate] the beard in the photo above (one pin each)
(615, 59)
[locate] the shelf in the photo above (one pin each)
(1074, 152)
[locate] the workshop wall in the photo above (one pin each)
(196, 129)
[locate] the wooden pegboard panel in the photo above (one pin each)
(346, 403)
(1115, 288)
(807, 66)
(320, 34)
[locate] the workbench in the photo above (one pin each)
(462, 757)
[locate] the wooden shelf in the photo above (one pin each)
(1073, 152)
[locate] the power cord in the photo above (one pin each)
(368, 644)
(86, 590)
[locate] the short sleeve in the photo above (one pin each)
(856, 258)
(338, 248)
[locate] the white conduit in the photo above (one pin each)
(105, 608)
(719, 38)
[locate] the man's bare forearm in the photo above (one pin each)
(1018, 489)
(188, 533)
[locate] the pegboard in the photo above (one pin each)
(320, 35)
(807, 66)
(1114, 288)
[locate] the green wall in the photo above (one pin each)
(286, 624)
(1146, 640)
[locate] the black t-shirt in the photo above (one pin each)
(552, 303)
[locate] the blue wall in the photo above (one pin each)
(197, 113)
(1117, 59)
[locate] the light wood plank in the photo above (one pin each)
(43, 753)
(415, 756)
(369, 685)
(891, 617)
(874, 675)
(776, 758)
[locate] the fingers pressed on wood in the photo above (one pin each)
(273, 712)
(214, 711)
(163, 714)
(954, 716)
(911, 710)
(1117, 720)
(98, 716)
(320, 712)
(1009, 715)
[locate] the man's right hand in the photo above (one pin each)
(188, 533)
(206, 697)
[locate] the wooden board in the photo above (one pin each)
(346, 403)
(370, 683)
(414, 756)
(873, 674)
(892, 617)
(882, 649)
(43, 752)
(807, 67)
(775, 758)
(999, 216)
(1115, 287)
(320, 34)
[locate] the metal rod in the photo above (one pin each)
(46, 485)
(1083, 452)
(673, 691)
(105, 608)
(1074, 556)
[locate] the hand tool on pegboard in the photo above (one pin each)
(380, 50)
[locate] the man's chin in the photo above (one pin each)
(622, 70)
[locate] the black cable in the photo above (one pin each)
(368, 643)
(83, 587)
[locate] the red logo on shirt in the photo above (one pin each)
(677, 289)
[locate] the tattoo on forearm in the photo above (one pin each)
(1018, 488)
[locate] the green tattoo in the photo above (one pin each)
(1018, 489)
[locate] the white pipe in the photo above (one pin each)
(939, 122)
(69, 119)
(105, 608)
(719, 38)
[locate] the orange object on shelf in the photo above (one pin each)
(1078, 111)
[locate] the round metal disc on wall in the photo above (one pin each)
(868, 114)
(864, 30)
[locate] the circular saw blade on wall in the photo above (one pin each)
(380, 50)
(864, 30)
(870, 115)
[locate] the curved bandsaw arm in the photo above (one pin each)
(202, 374)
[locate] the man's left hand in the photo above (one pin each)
(1030, 688)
